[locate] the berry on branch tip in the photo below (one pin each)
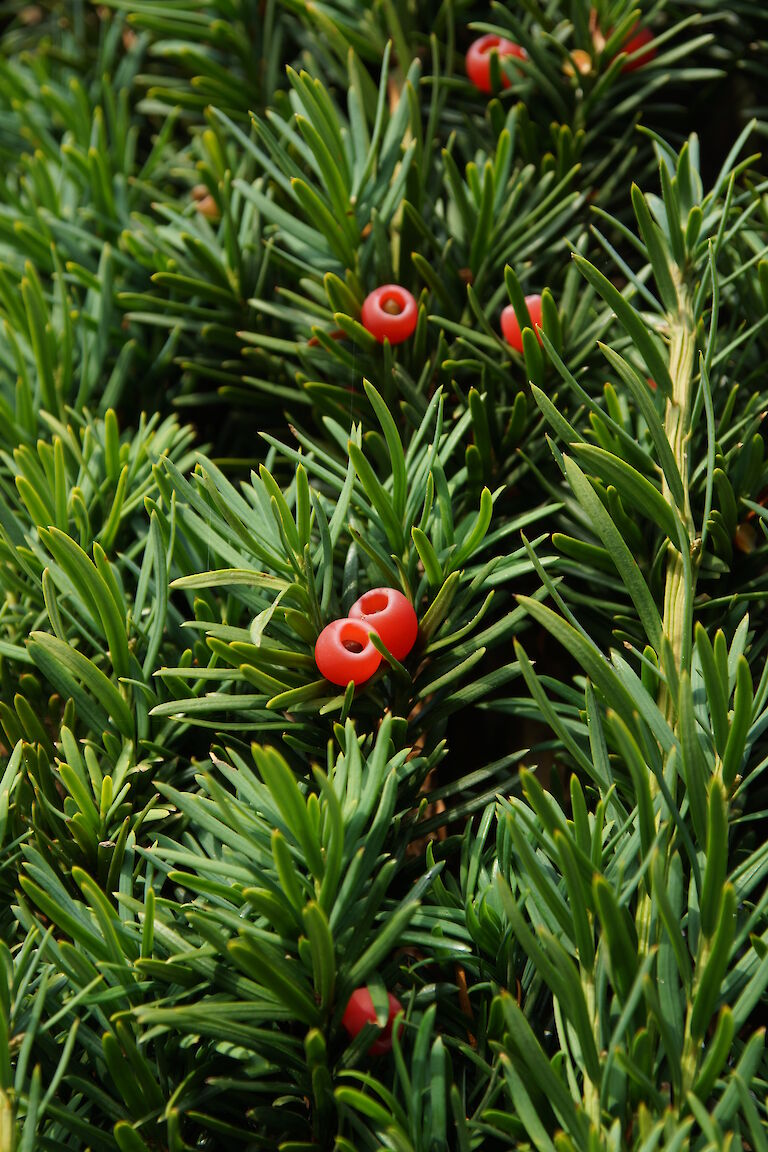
(510, 325)
(344, 652)
(360, 1011)
(478, 59)
(391, 614)
(390, 313)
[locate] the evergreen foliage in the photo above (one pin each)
(545, 830)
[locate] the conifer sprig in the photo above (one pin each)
(667, 748)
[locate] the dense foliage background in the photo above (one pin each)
(545, 831)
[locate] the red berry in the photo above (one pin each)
(510, 325)
(391, 615)
(637, 41)
(360, 1011)
(344, 652)
(478, 61)
(390, 313)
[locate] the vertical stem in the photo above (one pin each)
(680, 578)
(680, 590)
(591, 1090)
(680, 586)
(681, 570)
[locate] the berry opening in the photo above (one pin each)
(392, 306)
(344, 652)
(489, 45)
(373, 602)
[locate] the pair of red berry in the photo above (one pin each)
(344, 651)
(478, 58)
(390, 313)
(360, 1011)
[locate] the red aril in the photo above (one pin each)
(344, 652)
(478, 60)
(636, 41)
(360, 1011)
(510, 325)
(390, 313)
(391, 614)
